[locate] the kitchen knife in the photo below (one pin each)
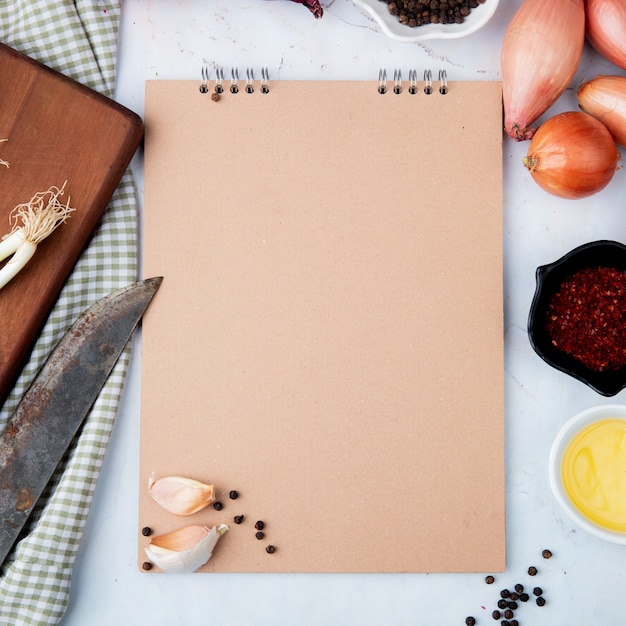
(55, 405)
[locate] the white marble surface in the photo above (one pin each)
(585, 580)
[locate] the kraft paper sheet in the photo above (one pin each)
(328, 337)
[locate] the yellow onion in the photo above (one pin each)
(572, 155)
(604, 97)
(541, 51)
(606, 29)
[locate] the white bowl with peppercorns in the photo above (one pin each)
(420, 20)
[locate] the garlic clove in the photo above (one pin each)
(185, 550)
(181, 496)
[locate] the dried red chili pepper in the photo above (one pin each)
(587, 318)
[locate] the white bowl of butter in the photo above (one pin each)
(588, 471)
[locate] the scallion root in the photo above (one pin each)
(31, 224)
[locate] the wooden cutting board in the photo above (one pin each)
(56, 130)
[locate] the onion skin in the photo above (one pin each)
(541, 52)
(604, 97)
(572, 155)
(606, 29)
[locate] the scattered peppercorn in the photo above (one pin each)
(215, 96)
(502, 604)
(508, 614)
(546, 554)
(259, 535)
(260, 525)
(146, 566)
(532, 571)
(513, 606)
(238, 519)
(541, 601)
(585, 318)
(218, 506)
(496, 614)
(270, 549)
(538, 591)
(490, 580)
(514, 596)
(519, 588)
(505, 593)
(524, 597)
(146, 531)
(233, 495)
(470, 621)
(505, 622)
(514, 622)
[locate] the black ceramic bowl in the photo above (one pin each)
(549, 278)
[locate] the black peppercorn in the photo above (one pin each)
(508, 614)
(519, 588)
(470, 621)
(146, 566)
(541, 601)
(505, 622)
(238, 519)
(490, 580)
(502, 604)
(546, 554)
(513, 606)
(259, 535)
(515, 596)
(260, 525)
(496, 614)
(505, 593)
(538, 591)
(270, 549)
(146, 531)
(524, 597)
(532, 570)
(514, 622)
(233, 495)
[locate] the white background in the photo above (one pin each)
(585, 580)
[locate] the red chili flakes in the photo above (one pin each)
(587, 318)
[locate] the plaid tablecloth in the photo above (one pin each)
(78, 39)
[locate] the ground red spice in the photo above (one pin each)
(587, 318)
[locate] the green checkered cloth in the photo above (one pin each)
(78, 39)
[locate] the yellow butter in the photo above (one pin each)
(594, 473)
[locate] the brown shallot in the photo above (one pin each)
(606, 29)
(572, 155)
(604, 97)
(541, 51)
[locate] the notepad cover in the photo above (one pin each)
(328, 337)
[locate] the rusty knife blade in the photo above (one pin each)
(61, 396)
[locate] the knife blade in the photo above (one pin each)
(52, 410)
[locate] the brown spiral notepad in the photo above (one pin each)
(328, 337)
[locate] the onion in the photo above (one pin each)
(606, 29)
(604, 97)
(541, 51)
(572, 155)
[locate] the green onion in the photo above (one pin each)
(31, 224)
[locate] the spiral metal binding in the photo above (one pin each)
(265, 80)
(249, 80)
(234, 80)
(412, 81)
(204, 85)
(219, 88)
(412, 87)
(443, 82)
(382, 81)
(428, 79)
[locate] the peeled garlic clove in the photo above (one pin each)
(185, 550)
(181, 496)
